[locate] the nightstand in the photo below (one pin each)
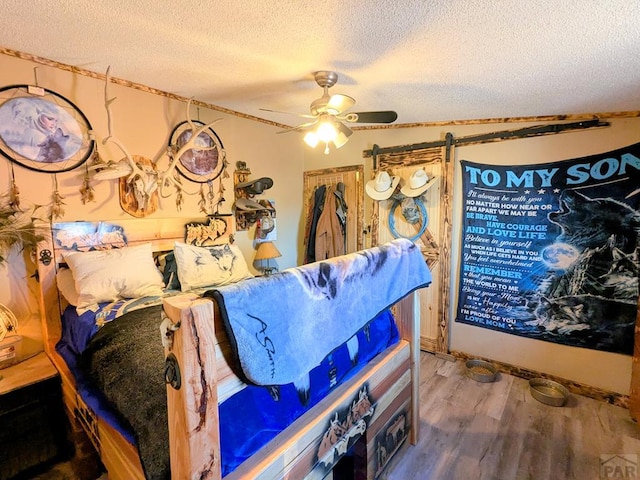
(33, 428)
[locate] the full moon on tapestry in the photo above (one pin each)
(550, 251)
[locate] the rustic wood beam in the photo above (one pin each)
(498, 136)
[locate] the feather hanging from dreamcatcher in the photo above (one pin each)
(57, 205)
(14, 193)
(87, 193)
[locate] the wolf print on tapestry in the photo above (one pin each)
(550, 251)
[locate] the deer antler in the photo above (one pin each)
(111, 138)
(147, 178)
(165, 176)
(145, 181)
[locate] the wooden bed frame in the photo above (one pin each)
(387, 386)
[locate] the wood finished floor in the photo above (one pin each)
(498, 431)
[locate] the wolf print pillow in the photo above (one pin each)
(209, 266)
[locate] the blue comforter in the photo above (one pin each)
(107, 361)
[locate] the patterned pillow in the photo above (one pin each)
(67, 286)
(109, 275)
(209, 266)
(169, 268)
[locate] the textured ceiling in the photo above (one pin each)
(429, 60)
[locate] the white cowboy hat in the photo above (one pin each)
(417, 184)
(382, 187)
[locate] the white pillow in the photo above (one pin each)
(209, 266)
(67, 286)
(109, 275)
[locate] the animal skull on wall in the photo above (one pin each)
(142, 178)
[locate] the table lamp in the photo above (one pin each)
(8, 322)
(11, 345)
(266, 251)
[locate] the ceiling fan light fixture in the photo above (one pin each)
(330, 113)
(326, 131)
(338, 103)
(311, 139)
(343, 135)
(351, 117)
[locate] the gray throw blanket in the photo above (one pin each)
(282, 326)
(124, 360)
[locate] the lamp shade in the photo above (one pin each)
(8, 322)
(267, 250)
(328, 130)
(342, 136)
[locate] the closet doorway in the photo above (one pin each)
(434, 242)
(352, 178)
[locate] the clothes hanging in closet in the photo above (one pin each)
(329, 240)
(341, 210)
(312, 223)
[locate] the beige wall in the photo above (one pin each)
(600, 369)
(143, 122)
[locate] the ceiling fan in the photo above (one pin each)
(330, 115)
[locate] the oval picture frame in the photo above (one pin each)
(42, 130)
(200, 166)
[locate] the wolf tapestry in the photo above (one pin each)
(550, 251)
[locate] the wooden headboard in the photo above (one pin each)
(61, 237)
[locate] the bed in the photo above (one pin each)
(363, 413)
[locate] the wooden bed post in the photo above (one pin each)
(408, 321)
(49, 300)
(194, 436)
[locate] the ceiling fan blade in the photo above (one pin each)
(339, 103)
(383, 116)
(303, 115)
(298, 128)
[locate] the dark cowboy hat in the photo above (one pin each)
(256, 187)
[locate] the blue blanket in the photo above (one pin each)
(281, 326)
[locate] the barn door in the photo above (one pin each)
(434, 242)
(352, 178)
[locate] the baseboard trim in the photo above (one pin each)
(428, 344)
(613, 398)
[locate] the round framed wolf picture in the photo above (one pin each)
(42, 130)
(206, 161)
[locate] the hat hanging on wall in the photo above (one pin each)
(248, 204)
(256, 187)
(418, 183)
(382, 187)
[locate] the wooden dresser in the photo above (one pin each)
(33, 429)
